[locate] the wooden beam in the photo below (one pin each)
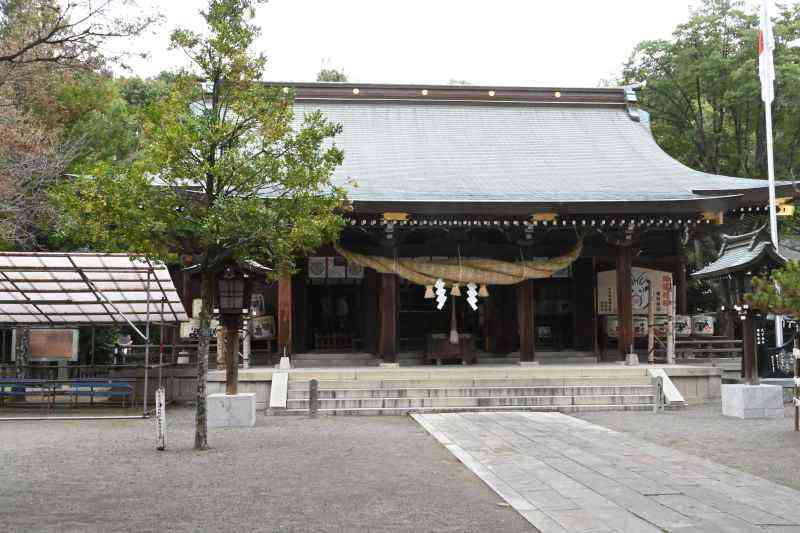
(681, 286)
(387, 344)
(285, 315)
(624, 303)
(527, 330)
(395, 216)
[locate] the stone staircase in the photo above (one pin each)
(402, 396)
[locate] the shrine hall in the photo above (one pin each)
(494, 224)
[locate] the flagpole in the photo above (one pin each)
(773, 215)
(766, 74)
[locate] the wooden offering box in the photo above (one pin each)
(439, 348)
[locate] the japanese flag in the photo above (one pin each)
(766, 44)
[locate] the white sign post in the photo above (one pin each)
(161, 419)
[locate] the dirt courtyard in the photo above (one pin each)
(768, 448)
(286, 474)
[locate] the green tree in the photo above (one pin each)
(704, 98)
(225, 172)
(766, 297)
(331, 75)
(48, 49)
(704, 95)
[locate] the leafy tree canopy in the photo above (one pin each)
(224, 172)
(331, 75)
(58, 111)
(766, 297)
(704, 95)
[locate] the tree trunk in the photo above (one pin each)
(201, 421)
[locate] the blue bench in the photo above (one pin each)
(11, 388)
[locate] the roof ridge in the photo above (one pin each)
(398, 93)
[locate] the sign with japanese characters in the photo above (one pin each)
(642, 281)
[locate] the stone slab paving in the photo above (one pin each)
(565, 474)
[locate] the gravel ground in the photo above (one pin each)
(769, 448)
(286, 474)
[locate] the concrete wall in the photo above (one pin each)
(260, 388)
(180, 383)
(696, 384)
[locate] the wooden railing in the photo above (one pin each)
(707, 347)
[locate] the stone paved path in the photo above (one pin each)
(565, 474)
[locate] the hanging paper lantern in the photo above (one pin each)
(483, 292)
(429, 292)
(455, 291)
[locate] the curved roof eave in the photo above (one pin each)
(677, 206)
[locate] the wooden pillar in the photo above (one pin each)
(681, 286)
(285, 315)
(371, 307)
(624, 304)
(583, 304)
(387, 343)
(300, 322)
(527, 332)
(749, 354)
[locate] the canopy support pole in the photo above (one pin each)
(100, 294)
(146, 346)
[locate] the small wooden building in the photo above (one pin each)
(485, 181)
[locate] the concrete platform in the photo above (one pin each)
(231, 410)
(696, 384)
(752, 401)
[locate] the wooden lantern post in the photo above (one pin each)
(234, 291)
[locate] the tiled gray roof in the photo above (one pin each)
(449, 152)
(742, 252)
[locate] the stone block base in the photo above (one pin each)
(752, 401)
(226, 410)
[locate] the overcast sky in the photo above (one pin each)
(492, 42)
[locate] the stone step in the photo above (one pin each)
(473, 401)
(614, 381)
(333, 356)
(430, 392)
(337, 363)
(498, 360)
(569, 361)
(538, 408)
(565, 359)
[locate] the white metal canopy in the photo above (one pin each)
(49, 288)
